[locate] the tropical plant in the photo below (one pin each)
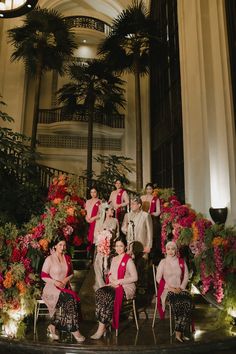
(93, 88)
(127, 49)
(114, 167)
(44, 42)
(19, 181)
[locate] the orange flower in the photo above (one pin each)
(83, 212)
(8, 282)
(61, 183)
(43, 244)
(156, 192)
(57, 200)
(217, 241)
(195, 231)
(166, 204)
(70, 211)
(54, 181)
(21, 287)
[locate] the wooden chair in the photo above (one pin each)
(126, 307)
(167, 303)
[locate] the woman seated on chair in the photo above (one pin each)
(56, 273)
(172, 275)
(121, 282)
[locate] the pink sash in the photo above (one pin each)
(119, 201)
(119, 292)
(92, 225)
(69, 272)
(161, 289)
(153, 205)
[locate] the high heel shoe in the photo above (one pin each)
(179, 339)
(78, 337)
(99, 334)
(51, 332)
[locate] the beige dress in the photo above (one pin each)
(57, 271)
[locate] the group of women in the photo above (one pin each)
(64, 304)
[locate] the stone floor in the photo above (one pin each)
(210, 336)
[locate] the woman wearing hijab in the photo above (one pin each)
(172, 276)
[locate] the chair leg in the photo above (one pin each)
(154, 316)
(117, 332)
(36, 310)
(135, 315)
(170, 312)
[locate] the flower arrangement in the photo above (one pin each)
(18, 281)
(22, 252)
(104, 243)
(212, 248)
(64, 211)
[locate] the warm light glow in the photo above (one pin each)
(219, 188)
(232, 312)
(198, 333)
(194, 290)
(2, 6)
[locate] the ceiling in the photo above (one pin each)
(104, 10)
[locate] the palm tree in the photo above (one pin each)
(44, 42)
(93, 88)
(127, 49)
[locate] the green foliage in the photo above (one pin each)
(185, 237)
(20, 192)
(44, 40)
(114, 167)
(127, 47)
(165, 193)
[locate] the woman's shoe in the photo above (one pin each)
(51, 332)
(179, 339)
(99, 334)
(78, 337)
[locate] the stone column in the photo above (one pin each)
(208, 122)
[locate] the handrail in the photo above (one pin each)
(47, 116)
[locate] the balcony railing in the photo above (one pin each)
(89, 22)
(47, 116)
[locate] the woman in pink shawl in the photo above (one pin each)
(92, 207)
(121, 283)
(172, 276)
(120, 200)
(151, 204)
(56, 273)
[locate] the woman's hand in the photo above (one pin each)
(175, 290)
(115, 283)
(59, 284)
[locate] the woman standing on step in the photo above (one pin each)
(92, 206)
(121, 283)
(56, 273)
(172, 276)
(120, 200)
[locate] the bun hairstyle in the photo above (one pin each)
(121, 239)
(58, 238)
(95, 188)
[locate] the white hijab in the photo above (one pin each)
(172, 259)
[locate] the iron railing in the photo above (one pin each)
(88, 22)
(47, 116)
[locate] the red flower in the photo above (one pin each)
(16, 255)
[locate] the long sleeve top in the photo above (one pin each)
(130, 277)
(171, 273)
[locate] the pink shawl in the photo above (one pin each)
(153, 205)
(68, 289)
(119, 292)
(119, 201)
(92, 225)
(161, 289)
